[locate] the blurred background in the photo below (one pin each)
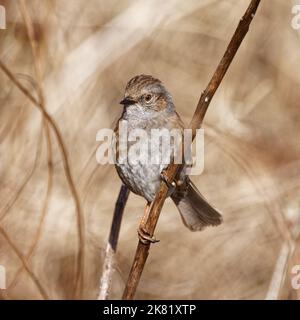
(77, 56)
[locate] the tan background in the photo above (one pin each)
(88, 51)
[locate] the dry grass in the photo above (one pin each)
(87, 52)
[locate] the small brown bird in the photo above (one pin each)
(148, 105)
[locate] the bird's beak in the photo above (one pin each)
(127, 101)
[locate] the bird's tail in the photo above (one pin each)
(195, 211)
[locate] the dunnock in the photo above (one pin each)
(148, 105)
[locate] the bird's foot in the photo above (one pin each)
(165, 179)
(171, 185)
(145, 237)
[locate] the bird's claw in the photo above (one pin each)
(145, 237)
(171, 185)
(166, 180)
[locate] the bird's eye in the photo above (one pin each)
(148, 97)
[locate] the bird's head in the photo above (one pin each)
(147, 95)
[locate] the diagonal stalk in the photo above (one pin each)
(142, 250)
